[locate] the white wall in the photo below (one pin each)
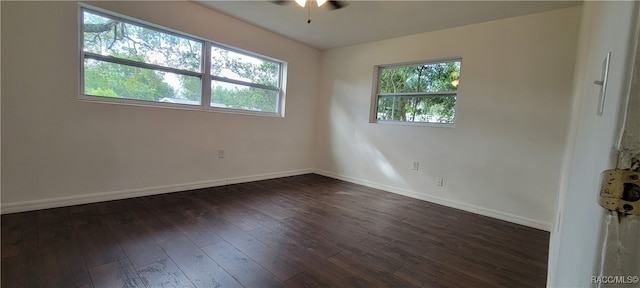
(0, 108)
(591, 149)
(57, 150)
(502, 159)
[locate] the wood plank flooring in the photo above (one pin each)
(300, 231)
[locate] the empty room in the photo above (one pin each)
(319, 143)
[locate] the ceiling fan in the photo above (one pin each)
(333, 5)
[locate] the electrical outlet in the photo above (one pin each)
(221, 153)
(416, 165)
(439, 181)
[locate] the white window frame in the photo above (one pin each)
(281, 80)
(373, 115)
(204, 74)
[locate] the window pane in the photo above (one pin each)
(226, 95)
(426, 109)
(113, 37)
(123, 81)
(434, 77)
(229, 64)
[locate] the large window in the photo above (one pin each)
(127, 61)
(422, 92)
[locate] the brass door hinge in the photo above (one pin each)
(620, 191)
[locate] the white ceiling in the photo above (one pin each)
(365, 21)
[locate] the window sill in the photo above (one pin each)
(139, 103)
(419, 124)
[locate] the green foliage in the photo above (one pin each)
(246, 98)
(230, 64)
(102, 92)
(191, 88)
(121, 81)
(110, 37)
(412, 81)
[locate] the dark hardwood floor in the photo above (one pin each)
(301, 231)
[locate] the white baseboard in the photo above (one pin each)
(546, 226)
(14, 207)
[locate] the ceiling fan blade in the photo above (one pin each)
(335, 5)
(280, 2)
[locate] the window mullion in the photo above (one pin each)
(121, 61)
(206, 77)
(244, 83)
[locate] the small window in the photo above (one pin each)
(126, 61)
(418, 93)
